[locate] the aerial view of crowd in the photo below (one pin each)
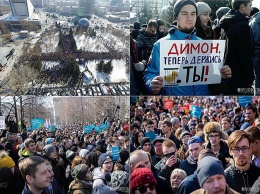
(237, 25)
(175, 149)
(67, 160)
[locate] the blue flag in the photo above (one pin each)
(104, 127)
(37, 123)
(196, 111)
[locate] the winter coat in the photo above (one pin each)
(255, 31)
(153, 69)
(236, 179)
(239, 55)
(99, 177)
(189, 184)
(79, 186)
(27, 191)
(223, 152)
(189, 165)
(144, 44)
(202, 191)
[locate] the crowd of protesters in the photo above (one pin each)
(237, 24)
(217, 151)
(68, 160)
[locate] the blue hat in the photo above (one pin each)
(194, 139)
(208, 167)
(48, 140)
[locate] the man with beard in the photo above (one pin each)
(211, 177)
(242, 175)
(36, 175)
(185, 14)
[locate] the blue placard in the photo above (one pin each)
(151, 135)
(37, 123)
(87, 129)
(196, 111)
(115, 153)
(243, 100)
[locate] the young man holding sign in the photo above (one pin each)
(180, 69)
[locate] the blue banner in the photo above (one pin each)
(52, 128)
(104, 127)
(243, 100)
(196, 111)
(151, 135)
(88, 129)
(115, 153)
(37, 123)
(97, 129)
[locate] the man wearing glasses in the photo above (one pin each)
(169, 161)
(214, 141)
(242, 175)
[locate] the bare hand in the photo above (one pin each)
(226, 72)
(171, 161)
(157, 84)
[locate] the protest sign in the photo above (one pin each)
(2, 122)
(243, 100)
(115, 153)
(87, 129)
(167, 104)
(37, 123)
(191, 62)
(196, 111)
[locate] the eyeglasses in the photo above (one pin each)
(213, 136)
(169, 155)
(143, 189)
(237, 150)
(108, 162)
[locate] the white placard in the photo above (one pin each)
(191, 62)
(2, 122)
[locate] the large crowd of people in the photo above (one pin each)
(67, 160)
(238, 25)
(214, 151)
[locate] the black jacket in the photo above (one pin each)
(223, 152)
(237, 179)
(238, 56)
(188, 166)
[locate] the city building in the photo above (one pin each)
(23, 16)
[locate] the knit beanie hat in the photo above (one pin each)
(48, 149)
(141, 176)
(80, 171)
(208, 167)
(183, 133)
(181, 3)
(221, 12)
(83, 153)
(145, 140)
(102, 158)
(7, 162)
(120, 181)
(48, 140)
(174, 120)
(202, 8)
(137, 25)
(70, 155)
(160, 22)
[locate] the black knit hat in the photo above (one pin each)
(181, 3)
(160, 22)
(145, 140)
(137, 25)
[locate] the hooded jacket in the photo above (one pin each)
(238, 48)
(79, 186)
(255, 30)
(99, 177)
(153, 68)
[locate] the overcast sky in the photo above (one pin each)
(256, 3)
